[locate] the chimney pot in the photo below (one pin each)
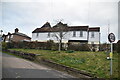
(16, 30)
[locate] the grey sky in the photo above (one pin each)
(30, 14)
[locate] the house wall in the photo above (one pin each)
(40, 37)
(43, 37)
(7, 39)
(94, 39)
(71, 37)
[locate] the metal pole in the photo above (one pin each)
(99, 40)
(111, 59)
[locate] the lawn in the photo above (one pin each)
(92, 62)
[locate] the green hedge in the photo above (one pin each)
(78, 47)
(118, 46)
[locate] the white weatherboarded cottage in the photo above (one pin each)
(82, 34)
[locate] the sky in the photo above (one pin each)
(27, 15)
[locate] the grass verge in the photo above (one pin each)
(91, 62)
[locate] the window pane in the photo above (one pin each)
(48, 34)
(92, 35)
(74, 34)
(81, 33)
(37, 35)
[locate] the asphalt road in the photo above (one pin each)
(13, 67)
(0, 64)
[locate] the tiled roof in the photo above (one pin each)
(94, 29)
(21, 34)
(78, 28)
(47, 24)
(60, 24)
(64, 27)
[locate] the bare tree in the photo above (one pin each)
(61, 29)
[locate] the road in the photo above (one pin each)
(0, 64)
(13, 67)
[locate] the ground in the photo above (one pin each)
(14, 67)
(91, 62)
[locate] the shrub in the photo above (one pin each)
(49, 44)
(78, 47)
(118, 46)
(4, 46)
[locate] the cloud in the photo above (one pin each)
(31, 14)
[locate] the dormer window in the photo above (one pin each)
(74, 33)
(81, 33)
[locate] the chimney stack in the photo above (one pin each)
(16, 30)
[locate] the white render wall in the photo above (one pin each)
(78, 36)
(43, 37)
(94, 39)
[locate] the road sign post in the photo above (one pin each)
(111, 38)
(111, 54)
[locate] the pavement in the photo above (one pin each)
(13, 67)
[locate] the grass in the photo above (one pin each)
(92, 62)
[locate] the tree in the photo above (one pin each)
(61, 29)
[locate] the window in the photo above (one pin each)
(48, 34)
(92, 35)
(74, 34)
(11, 36)
(37, 35)
(81, 33)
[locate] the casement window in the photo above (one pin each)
(81, 33)
(92, 34)
(37, 35)
(74, 33)
(48, 34)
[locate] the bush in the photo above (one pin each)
(118, 46)
(78, 47)
(49, 44)
(4, 46)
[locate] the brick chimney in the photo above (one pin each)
(16, 30)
